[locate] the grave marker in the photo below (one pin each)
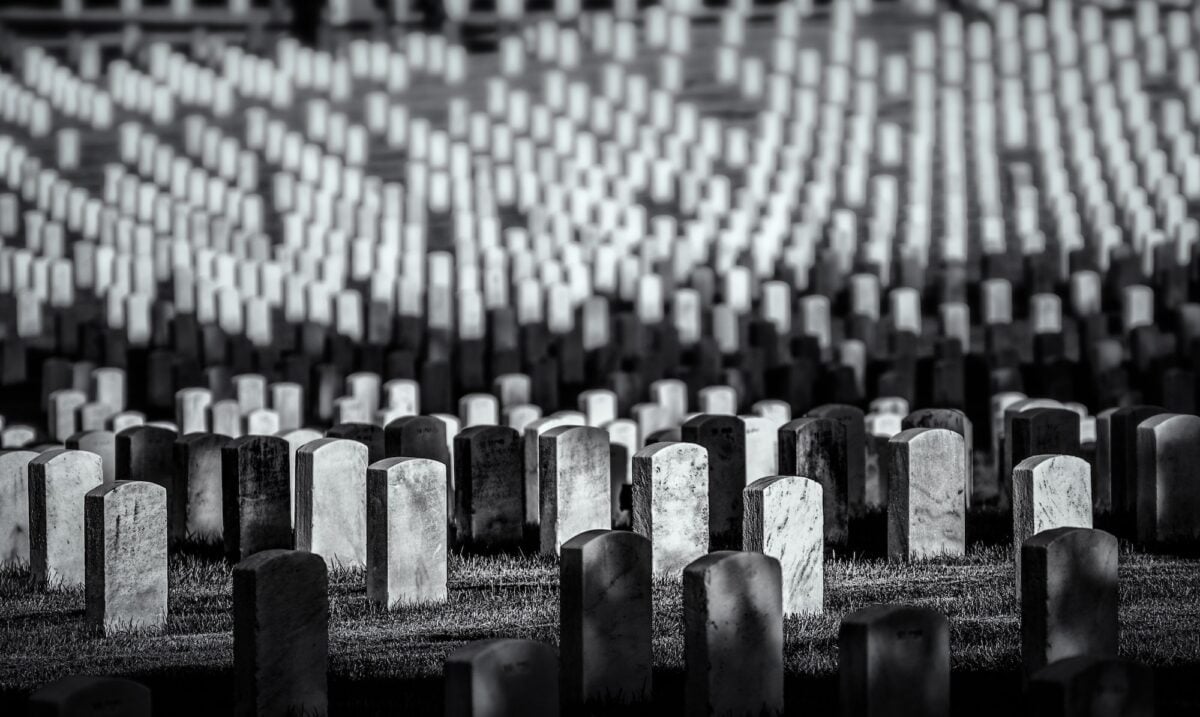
(894, 659)
(254, 495)
(1089, 686)
(724, 437)
(531, 438)
(1168, 494)
(926, 509)
(488, 487)
(102, 443)
(575, 484)
(854, 423)
(58, 481)
(14, 507)
(90, 696)
(197, 459)
(147, 453)
(406, 531)
(816, 449)
(670, 503)
(125, 546)
(331, 495)
(784, 521)
(502, 677)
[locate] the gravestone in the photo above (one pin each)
(926, 509)
(18, 436)
(950, 419)
(816, 449)
(125, 546)
(197, 458)
(368, 434)
(417, 437)
(531, 439)
(574, 476)
(622, 444)
(1102, 462)
(605, 616)
(1092, 686)
(733, 634)
(90, 696)
(1168, 492)
(724, 437)
(296, 438)
(762, 447)
(58, 481)
(1123, 462)
(784, 521)
(489, 505)
(406, 531)
(102, 443)
(502, 677)
(280, 630)
(224, 418)
(254, 496)
(670, 503)
(63, 406)
(894, 660)
(1049, 492)
(1035, 432)
(148, 453)
(14, 507)
(854, 424)
(331, 501)
(1068, 596)
(191, 409)
(881, 428)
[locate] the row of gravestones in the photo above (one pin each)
(733, 612)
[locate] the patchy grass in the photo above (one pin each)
(381, 659)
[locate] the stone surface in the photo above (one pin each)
(296, 439)
(784, 521)
(125, 546)
(422, 437)
(605, 618)
(622, 444)
(575, 476)
(148, 453)
(254, 495)
(406, 531)
(1123, 463)
(1049, 492)
(495, 678)
(733, 635)
(926, 509)
(670, 503)
(331, 501)
(881, 427)
(102, 443)
(1068, 596)
(815, 448)
(854, 424)
(198, 473)
(1035, 431)
(368, 434)
(953, 420)
(488, 491)
(531, 438)
(1168, 489)
(91, 696)
(894, 660)
(724, 437)
(762, 447)
(58, 481)
(280, 633)
(14, 507)
(1089, 686)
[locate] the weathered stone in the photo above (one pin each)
(605, 614)
(926, 510)
(148, 453)
(950, 419)
(102, 443)
(531, 438)
(816, 449)
(489, 505)
(1091, 686)
(1168, 492)
(575, 476)
(1035, 432)
(89, 696)
(724, 437)
(406, 531)
(126, 556)
(14, 507)
(1123, 457)
(1049, 492)
(783, 520)
(296, 439)
(197, 458)
(58, 481)
(733, 634)
(670, 503)
(894, 660)
(280, 629)
(254, 494)
(490, 678)
(854, 424)
(331, 501)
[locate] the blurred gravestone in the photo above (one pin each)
(331, 501)
(926, 482)
(816, 449)
(502, 677)
(90, 696)
(1168, 492)
(894, 660)
(1049, 492)
(1092, 686)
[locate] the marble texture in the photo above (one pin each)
(575, 475)
(254, 493)
(58, 481)
(531, 438)
(894, 660)
(605, 618)
(733, 635)
(125, 544)
(784, 520)
(197, 460)
(407, 532)
(954, 420)
(495, 678)
(1049, 491)
(1068, 596)
(331, 501)
(670, 503)
(816, 449)
(1168, 488)
(280, 634)
(926, 508)
(14, 507)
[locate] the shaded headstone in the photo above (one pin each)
(816, 449)
(197, 458)
(502, 677)
(148, 453)
(531, 438)
(622, 444)
(58, 481)
(14, 507)
(853, 421)
(724, 437)
(733, 634)
(894, 660)
(406, 531)
(1092, 686)
(1102, 462)
(254, 495)
(1068, 596)
(1049, 492)
(670, 503)
(783, 520)
(296, 438)
(280, 631)
(102, 443)
(125, 543)
(605, 616)
(881, 428)
(225, 418)
(90, 696)
(762, 447)
(63, 417)
(331, 501)
(1035, 432)
(575, 476)
(1168, 491)
(368, 434)
(926, 510)
(488, 490)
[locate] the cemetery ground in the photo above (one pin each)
(391, 662)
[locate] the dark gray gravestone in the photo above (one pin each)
(894, 660)
(605, 615)
(148, 453)
(103, 444)
(125, 556)
(1068, 596)
(1091, 686)
(89, 696)
(417, 437)
(198, 474)
(815, 448)
(853, 421)
(1168, 492)
(502, 677)
(951, 419)
(1049, 492)
(14, 506)
(280, 633)
(489, 487)
(1036, 432)
(1123, 425)
(368, 434)
(733, 634)
(254, 495)
(406, 531)
(1102, 466)
(574, 474)
(724, 437)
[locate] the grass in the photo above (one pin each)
(381, 661)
